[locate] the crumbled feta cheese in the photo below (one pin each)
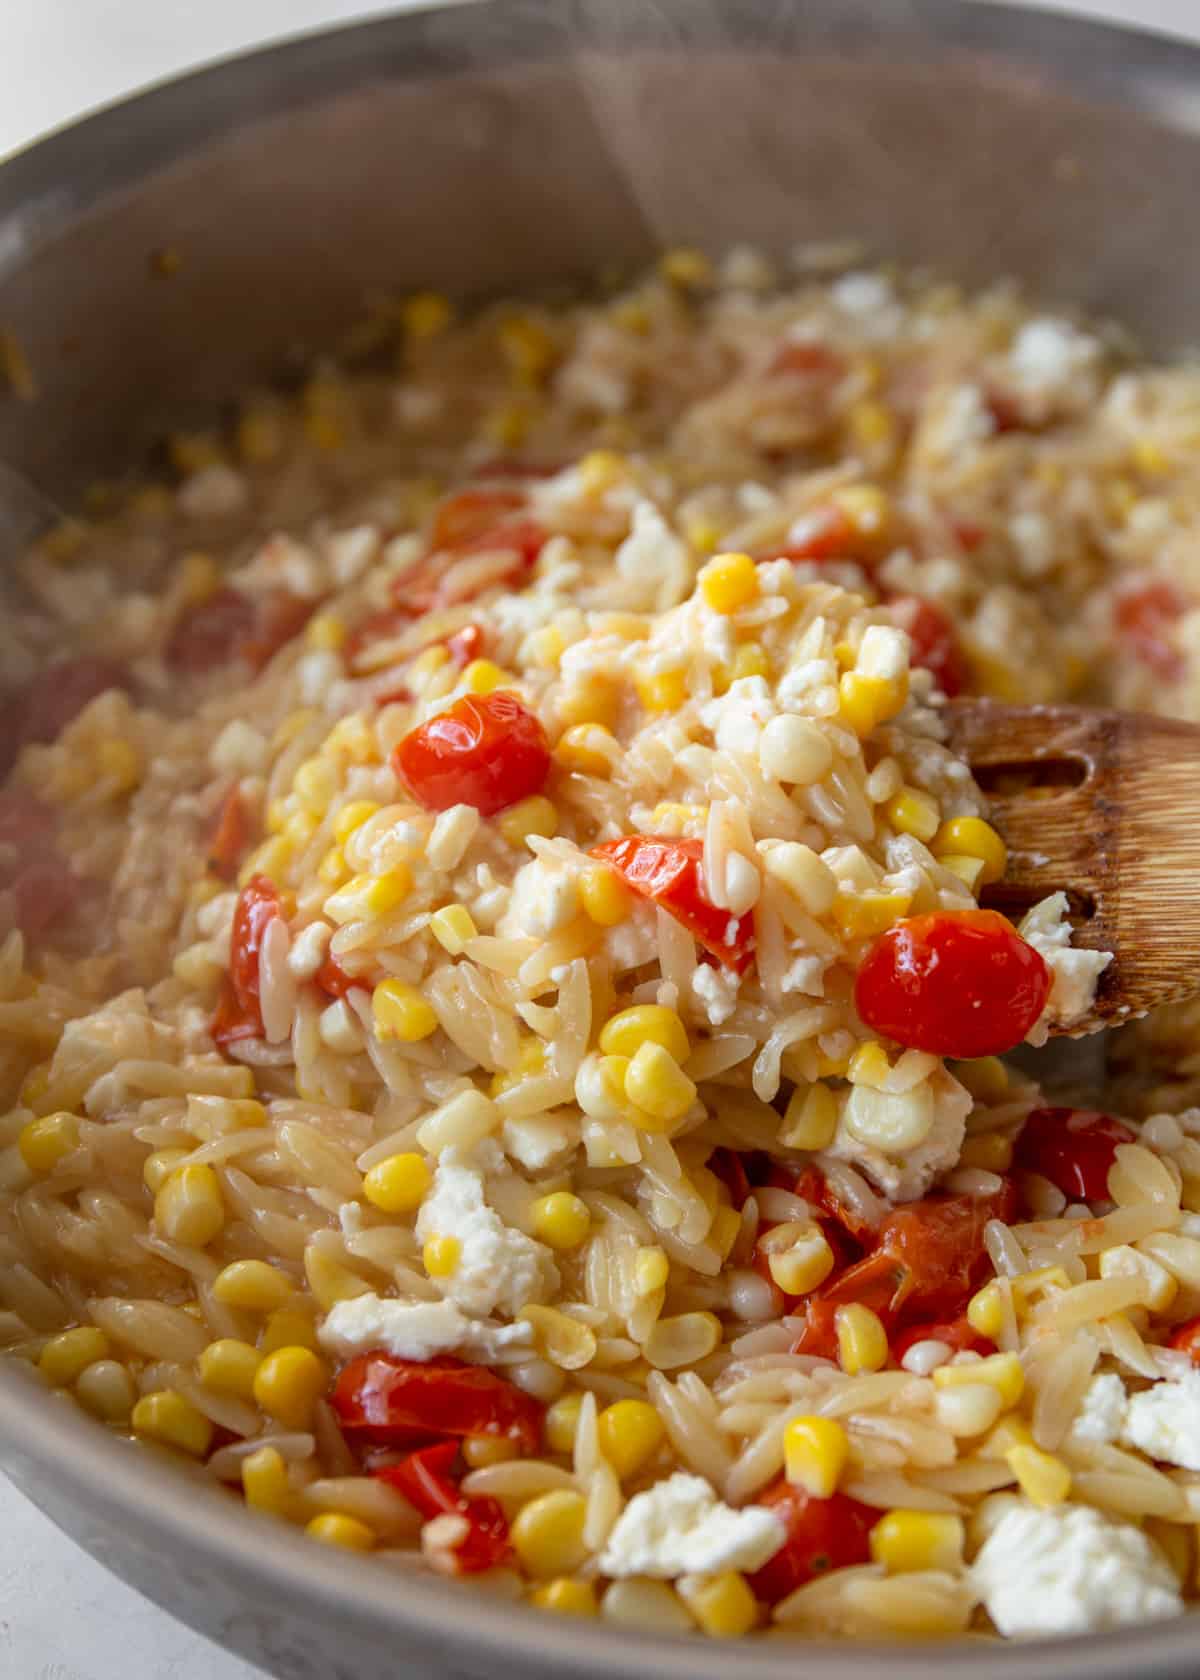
(905, 1175)
(1164, 1422)
(883, 652)
(862, 294)
(545, 897)
(805, 975)
(1047, 352)
(537, 1142)
(1033, 538)
(1071, 1570)
(738, 717)
(318, 670)
(680, 1527)
(1074, 973)
(213, 492)
(717, 637)
(1101, 1411)
(654, 564)
(962, 420)
(415, 1330)
(716, 991)
(497, 1265)
(351, 552)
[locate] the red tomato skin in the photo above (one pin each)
(807, 358)
(278, 617)
(671, 873)
(959, 983)
(824, 534)
(424, 1480)
(1185, 1338)
(822, 1534)
(231, 835)
(1072, 1147)
(487, 750)
(1144, 617)
(209, 633)
(935, 644)
(956, 1333)
(465, 517)
(395, 1402)
(42, 708)
(728, 1166)
(333, 980)
(465, 645)
(239, 1013)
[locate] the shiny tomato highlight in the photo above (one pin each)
(239, 1012)
(487, 750)
(671, 873)
(822, 1534)
(398, 1402)
(1072, 1147)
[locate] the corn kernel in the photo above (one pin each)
(118, 763)
(528, 347)
(265, 1481)
(326, 633)
(985, 1311)
(986, 1078)
(799, 1258)
(815, 1452)
(863, 915)
(531, 1059)
(685, 267)
(599, 470)
(593, 699)
(351, 817)
(66, 1356)
(804, 875)
(398, 1184)
(658, 1086)
(861, 1338)
(484, 676)
(869, 1065)
(794, 749)
(702, 535)
(905, 1541)
(189, 1208)
(259, 437)
(270, 859)
(723, 1605)
(651, 1269)
(1010, 1432)
(107, 1391)
(630, 1433)
(872, 426)
(535, 815)
(605, 898)
(974, 838)
(315, 784)
(662, 691)
(166, 1417)
(399, 1011)
(1150, 458)
(560, 1220)
(588, 749)
(811, 1118)
(44, 1143)
(725, 1230)
(425, 314)
(1002, 1370)
(912, 812)
(352, 737)
(440, 1256)
(561, 1422)
(251, 1286)
(547, 1533)
(229, 1367)
(334, 1528)
(288, 1327)
(625, 1033)
(191, 452)
(968, 869)
(868, 701)
(566, 1597)
(452, 926)
(1044, 1479)
(480, 1451)
(371, 895)
(728, 582)
(990, 1151)
(288, 1384)
(867, 507)
(545, 647)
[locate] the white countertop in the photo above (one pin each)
(62, 1617)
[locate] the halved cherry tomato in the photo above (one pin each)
(671, 873)
(42, 708)
(824, 533)
(278, 617)
(822, 1534)
(1072, 1147)
(819, 1193)
(727, 1165)
(394, 1402)
(486, 750)
(1185, 1338)
(935, 644)
(424, 1480)
(231, 835)
(465, 645)
(954, 1333)
(959, 983)
(333, 980)
(1144, 616)
(230, 625)
(380, 626)
(468, 515)
(239, 1012)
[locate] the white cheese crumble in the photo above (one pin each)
(498, 1267)
(716, 991)
(680, 1527)
(1074, 973)
(1101, 1411)
(213, 492)
(654, 564)
(904, 1175)
(1048, 353)
(415, 1330)
(544, 898)
(1164, 1422)
(737, 718)
(1070, 1570)
(539, 1141)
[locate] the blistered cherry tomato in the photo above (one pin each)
(396, 1402)
(957, 983)
(671, 873)
(1185, 1338)
(239, 1012)
(42, 708)
(465, 645)
(822, 1534)
(935, 644)
(1072, 1147)
(425, 1481)
(954, 1333)
(230, 625)
(808, 358)
(1144, 616)
(333, 980)
(470, 514)
(231, 835)
(487, 750)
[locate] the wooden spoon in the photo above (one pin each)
(1104, 806)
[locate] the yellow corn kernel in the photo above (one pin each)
(986, 1078)
(657, 1085)
(189, 1208)
(166, 1417)
(605, 898)
(866, 506)
(352, 737)
(561, 1422)
(986, 1311)
(728, 582)
(398, 1184)
(528, 347)
(315, 784)
(566, 1597)
(480, 1451)
(1043, 1478)
(440, 1256)
(968, 869)
(599, 470)
(725, 1229)
(288, 1384)
(662, 691)
(118, 763)
(630, 1433)
(399, 1011)
(560, 1220)
(1150, 458)
(288, 1327)
(868, 701)
(373, 895)
(990, 1151)
(588, 749)
(508, 424)
(815, 1450)
(484, 676)
(191, 452)
(270, 859)
(335, 1528)
(594, 699)
(862, 915)
(106, 1390)
(545, 647)
(811, 1118)
(904, 1541)
(199, 577)
(799, 1258)
(685, 267)
(723, 1605)
(265, 1481)
(535, 815)
(1010, 1432)
(651, 1269)
(452, 926)
(702, 535)
(229, 1367)
(547, 1533)
(259, 437)
(531, 1059)
(425, 314)
(157, 1168)
(869, 1065)
(912, 812)
(872, 425)
(972, 837)
(251, 1286)
(861, 1338)
(43, 1143)
(351, 817)
(1001, 1370)
(66, 1356)
(645, 1023)
(326, 633)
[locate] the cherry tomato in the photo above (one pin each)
(824, 533)
(959, 983)
(471, 514)
(935, 644)
(727, 1165)
(393, 1402)
(819, 1193)
(424, 1480)
(279, 617)
(1072, 1147)
(231, 836)
(955, 1333)
(381, 626)
(822, 1534)
(209, 634)
(42, 885)
(487, 750)
(671, 873)
(1185, 1338)
(42, 708)
(239, 1013)
(333, 980)
(465, 645)
(1144, 618)
(803, 358)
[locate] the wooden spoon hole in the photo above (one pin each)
(1006, 781)
(1015, 901)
